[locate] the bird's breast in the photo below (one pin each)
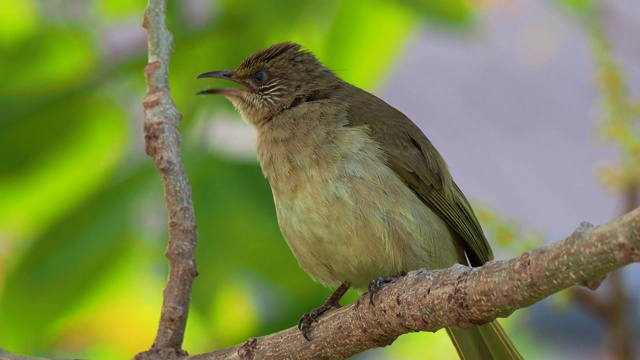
(344, 213)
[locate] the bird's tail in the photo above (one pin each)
(488, 341)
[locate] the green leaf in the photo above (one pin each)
(64, 265)
(39, 64)
(121, 8)
(364, 60)
(55, 157)
(17, 21)
(579, 5)
(456, 12)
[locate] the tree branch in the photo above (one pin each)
(455, 297)
(162, 139)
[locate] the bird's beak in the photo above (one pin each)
(222, 74)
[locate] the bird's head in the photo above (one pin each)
(275, 79)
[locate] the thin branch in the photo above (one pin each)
(455, 297)
(163, 141)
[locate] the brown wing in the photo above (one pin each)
(419, 165)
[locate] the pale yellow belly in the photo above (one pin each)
(361, 225)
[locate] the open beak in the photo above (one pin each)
(222, 74)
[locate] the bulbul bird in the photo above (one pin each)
(360, 192)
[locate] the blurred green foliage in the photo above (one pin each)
(505, 232)
(82, 219)
(619, 109)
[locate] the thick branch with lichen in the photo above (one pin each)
(455, 297)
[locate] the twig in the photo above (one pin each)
(162, 139)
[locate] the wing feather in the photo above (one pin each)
(419, 165)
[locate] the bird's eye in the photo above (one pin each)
(260, 76)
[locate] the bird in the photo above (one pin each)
(361, 194)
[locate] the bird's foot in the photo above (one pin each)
(304, 324)
(378, 283)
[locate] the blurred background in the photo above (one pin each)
(534, 105)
